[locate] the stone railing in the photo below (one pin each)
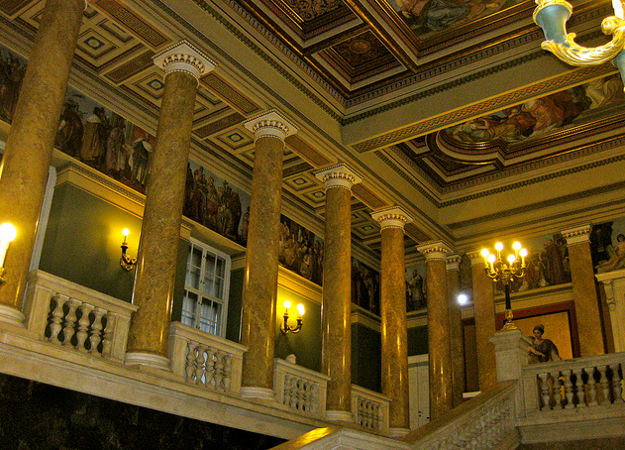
(205, 360)
(485, 421)
(576, 384)
(370, 409)
(300, 389)
(77, 317)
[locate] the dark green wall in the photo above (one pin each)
(417, 341)
(305, 345)
(181, 266)
(233, 322)
(366, 357)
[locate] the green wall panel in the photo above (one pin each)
(418, 341)
(366, 357)
(233, 322)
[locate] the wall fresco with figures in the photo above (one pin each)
(300, 250)
(365, 287)
(416, 292)
(607, 245)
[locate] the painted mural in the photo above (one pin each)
(541, 116)
(216, 204)
(365, 287)
(87, 131)
(416, 292)
(300, 250)
(607, 245)
(429, 17)
(547, 264)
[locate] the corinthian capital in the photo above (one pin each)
(338, 175)
(434, 250)
(391, 217)
(270, 124)
(184, 57)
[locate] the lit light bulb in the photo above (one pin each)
(523, 252)
(8, 233)
(287, 304)
(300, 309)
(516, 246)
(125, 232)
(492, 258)
(499, 246)
(462, 299)
(511, 258)
(485, 253)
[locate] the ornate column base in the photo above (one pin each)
(398, 432)
(339, 416)
(257, 393)
(147, 359)
(11, 316)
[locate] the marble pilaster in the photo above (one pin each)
(584, 291)
(440, 368)
(148, 339)
(28, 152)
(393, 314)
(485, 325)
(456, 341)
(261, 272)
(336, 302)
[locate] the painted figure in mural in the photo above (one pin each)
(96, 131)
(11, 74)
(70, 131)
(187, 208)
(198, 197)
(554, 269)
(617, 256)
(116, 154)
(542, 350)
(600, 242)
(416, 295)
(245, 222)
(140, 157)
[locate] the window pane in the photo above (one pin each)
(210, 263)
(209, 316)
(192, 278)
(196, 256)
(219, 288)
(221, 267)
(189, 308)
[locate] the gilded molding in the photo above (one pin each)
(270, 124)
(577, 235)
(434, 250)
(184, 57)
(338, 175)
(453, 263)
(391, 217)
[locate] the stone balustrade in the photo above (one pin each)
(576, 384)
(205, 360)
(486, 421)
(77, 317)
(300, 389)
(370, 409)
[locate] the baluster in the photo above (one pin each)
(107, 336)
(559, 391)
(189, 367)
(203, 367)
(56, 317)
(618, 384)
(568, 389)
(70, 321)
(592, 388)
(227, 372)
(580, 390)
(604, 385)
(219, 370)
(543, 383)
(83, 326)
(96, 330)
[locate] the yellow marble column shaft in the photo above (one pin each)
(261, 273)
(485, 326)
(160, 232)
(441, 381)
(394, 329)
(336, 311)
(28, 152)
(456, 339)
(585, 298)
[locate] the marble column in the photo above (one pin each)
(441, 381)
(148, 339)
(258, 323)
(393, 314)
(336, 358)
(29, 146)
(584, 291)
(485, 325)
(456, 338)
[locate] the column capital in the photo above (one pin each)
(270, 124)
(453, 262)
(476, 257)
(577, 235)
(391, 217)
(338, 175)
(184, 57)
(434, 250)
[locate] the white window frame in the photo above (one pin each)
(205, 248)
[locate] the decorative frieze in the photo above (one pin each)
(391, 217)
(453, 263)
(270, 124)
(577, 235)
(434, 250)
(184, 57)
(338, 175)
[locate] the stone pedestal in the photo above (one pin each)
(336, 307)
(395, 383)
(584, 291)
(24, 169)
(456, 336)
(441, 382)
(148, 340)
(485, 327)
(614, 285)
(258, 322)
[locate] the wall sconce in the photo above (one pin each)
(7, 235)
(284, 326)
(126, 261)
